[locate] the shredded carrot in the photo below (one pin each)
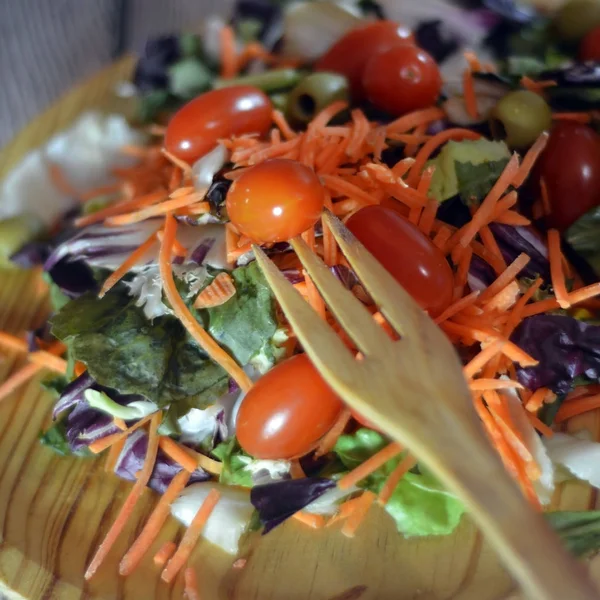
(530, 158)
(113, 456)
(228, 52)
(539, 425)
(409, 138)
(414, 119)
(431, 145)
(414, 214)
(418, 134)
(204, 462)
(329, 440)
(206, 342)
(457, 306)
(462, 272)
(137, 255)
(280, 121)
(359, 513)
(155, 210)
(513, 218)
(576, 407)
(441, 237)
(164, 553)
(312, 520)
(191, 536)
(13, 342)
(49, 361)
(428, 216)
(404, 466)
(344, 511)
(341, 186)
(572, 116)
(505, 278)
(17, 379)
(556, 269)
(494, 384)
(469, 94)
(178, 162)
(326, 115)
(534, 403)
(584, 293)
(504, 299)
(478, 362)
(191, 584)
(154, 524)
(296, 470)
(369, 466)
(105, 442)
(60, 181)
(131, 501)
(218, 292)
(120, 424)
(175, 452)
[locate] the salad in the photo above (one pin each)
(460, 146)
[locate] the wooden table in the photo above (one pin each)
(54, 511)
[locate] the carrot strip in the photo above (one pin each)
(218, 292)
(341, 186)
(312, 520)
(370, 465)
(113, 456)
(206, 342)
(494, 384)
(431, 145)
(175, 452)
(326, 115)
(105, 442)
(228, 52)
(13, 342)
(129, 505)
(504, 299)
(178, 162)
(414, 119)
(462, 272)
(409, 139)
(282, 124)
(17, 379)
(359, 513)
(579, 406)
(128, 264)
(60, 181)
(404, 466)
(457, 306)
(296, 470)
(154, 211)
(511, 217)
(191, 536)
(584, 293)
(191, 584)
(329, 440)
(540, 307)
(478, 362)
(164, 553)
(534, 403)
(529, 159)
(152, 528)
(556, 269)
(208, 464)
(505, 278)
(49, 361)
(428, 216)
(469, 94)
(441, 237)
(539, 425)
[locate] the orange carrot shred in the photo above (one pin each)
(220, 290)
(178, 162)
(312, 520)
(428, 216)
(494, 384)
(60, 181)
(17, 379)
(359, 513)
(579, 406)
(131, 501)
(228, 52)
(505, 278)
(414, 119)
(530, 158)
(404, 466)
(457, 306)
(536, 400)
(469, 94)
(584, 293)
(191, 536)
(175, 452)
(556, 269)
(539, 425)
(105, 442)
(191, 584)
(154, 211)
(281, 122)
(206, 342)
(370, 465)
(113, 455)
(164, 553)
(477, 362)
(329, 440)
(154, 524)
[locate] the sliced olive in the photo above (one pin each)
(313, 94)
(576, 18)
(520, 117)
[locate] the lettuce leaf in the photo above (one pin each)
(476, 180)
(419, 505)
(235, 461)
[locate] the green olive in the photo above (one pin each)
(313, 94)
(576, 18)
(520, 117)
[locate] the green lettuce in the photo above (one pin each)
(419, 505)
(235, 461)
(580, 531)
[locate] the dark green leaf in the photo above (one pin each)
(234, 461)
(124, 351)
(475, 181)
(57, 298)
(584, 237)
(55, 385)
(547, 413)
(580, 531)
(152, 103)
(55, 438)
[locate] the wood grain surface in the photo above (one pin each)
(54, 511)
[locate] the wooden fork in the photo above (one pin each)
(414, 390)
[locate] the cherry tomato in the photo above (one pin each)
(570, 168)
(287, 411)
(195, 128)
(407, 254)
(350, 54)
(402, 79)
(589, 49)
(275, 201)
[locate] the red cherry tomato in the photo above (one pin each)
(589, 49)
(287, 411)
(402, 79)
(195, 128)
(350, 54)
(407, 254)
(275, 201)
(570, 168)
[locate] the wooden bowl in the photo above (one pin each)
(54, 511)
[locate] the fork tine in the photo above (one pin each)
(320, 342)
(397, 306)
(350, 312)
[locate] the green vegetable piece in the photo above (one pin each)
(580, 531)
(189, 77)
(55, 439)
(314, 93)
(520, 117)
(577, 18)
(152, 103)
(190, 44)
(135, 410)
(55, 384)
(584, 238)
(269, 81)
(235, 461)
(14, 232)
(475, 181)
(472, 153)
